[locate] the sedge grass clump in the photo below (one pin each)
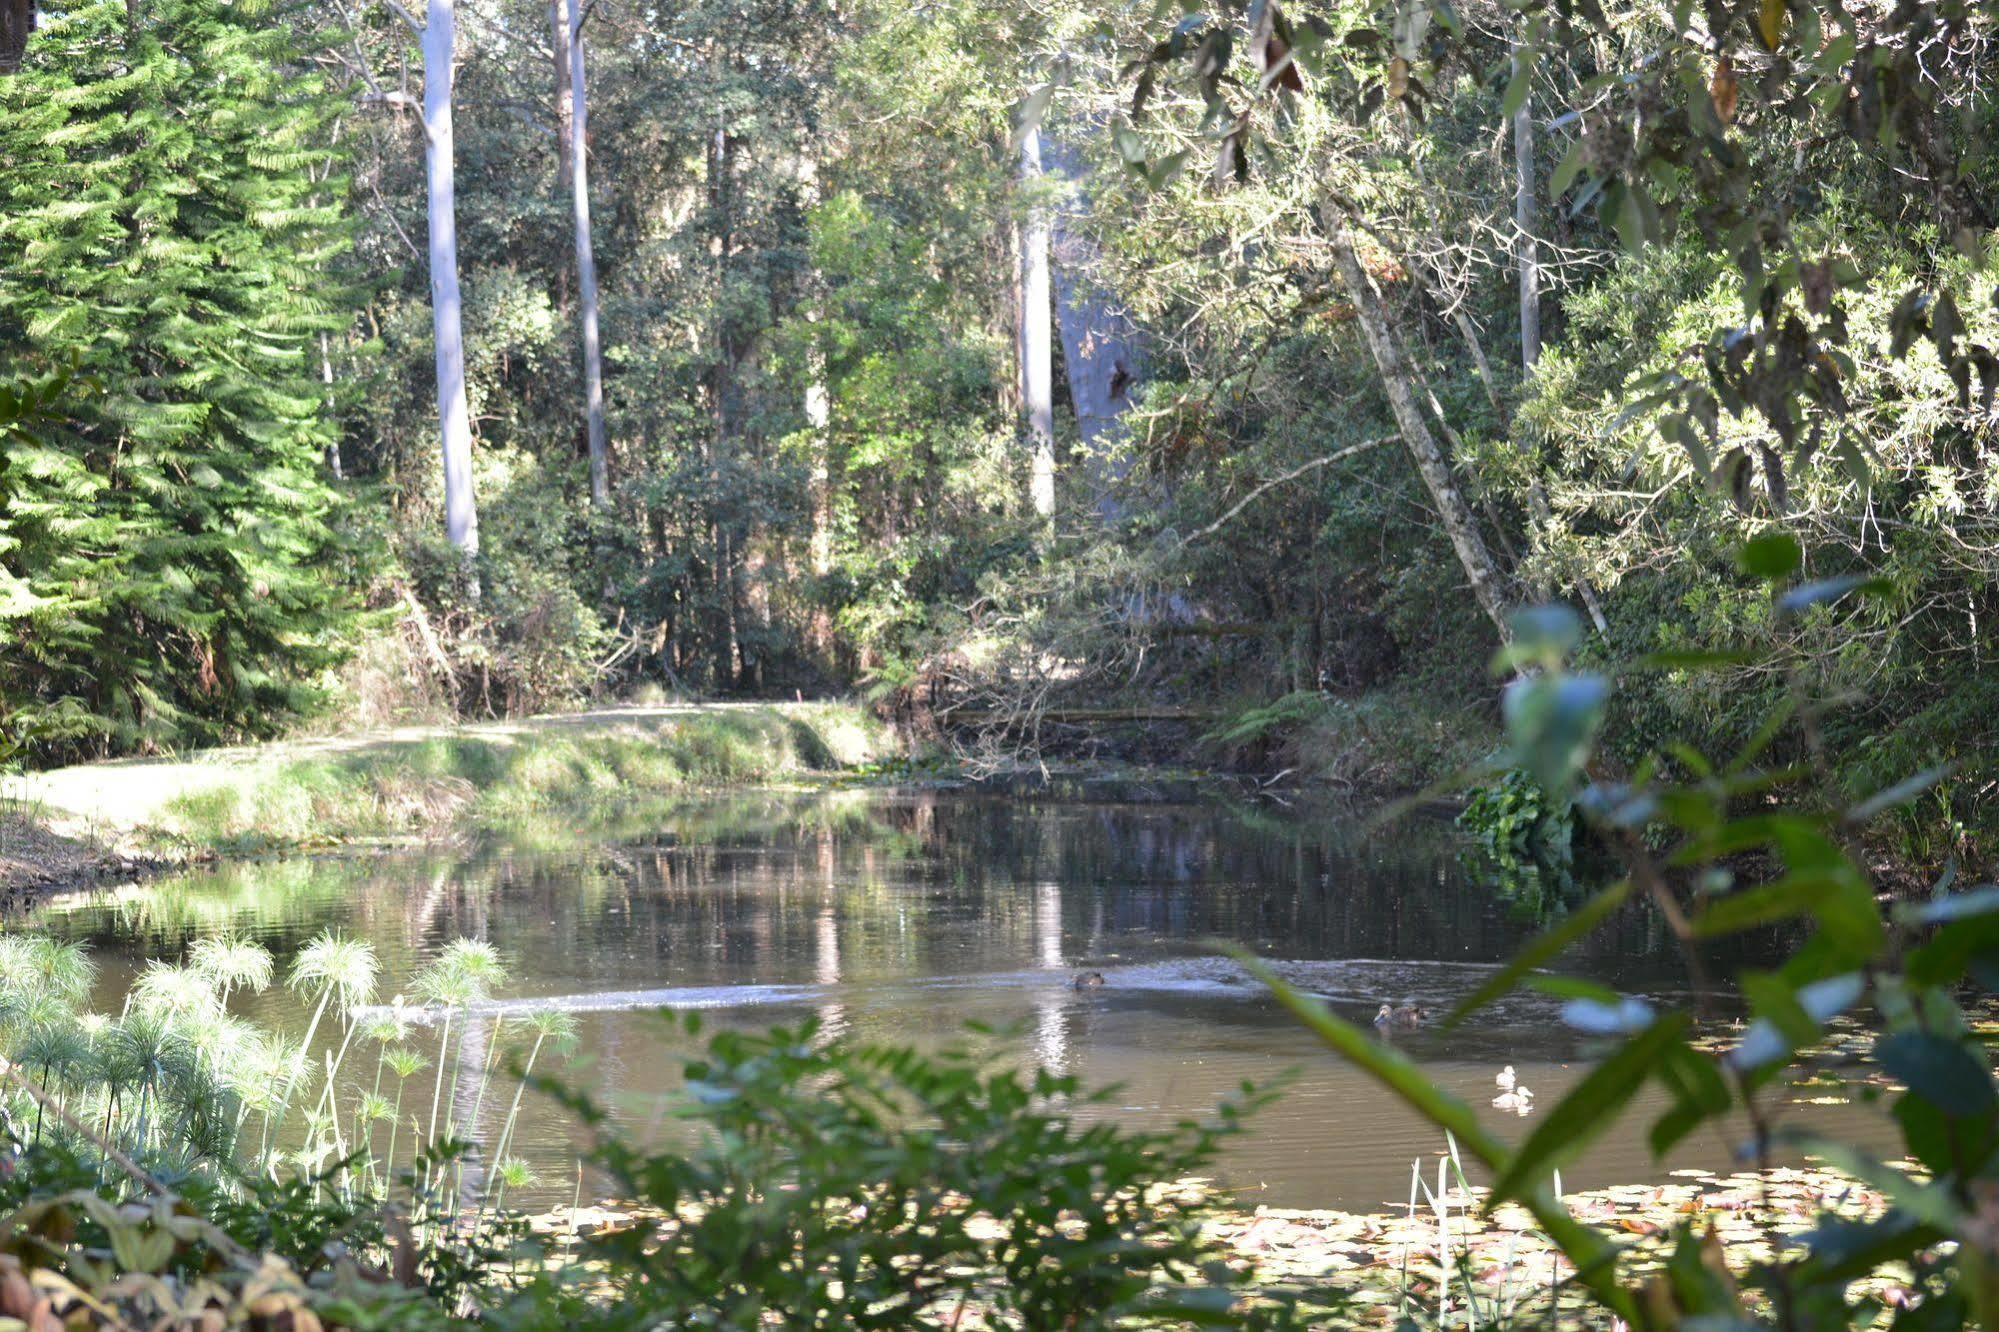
(177, 1081)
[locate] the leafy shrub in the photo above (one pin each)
(1513, 818)
(858, 1185)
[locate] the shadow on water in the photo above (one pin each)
(906, 915)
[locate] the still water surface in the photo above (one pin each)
(902, 916)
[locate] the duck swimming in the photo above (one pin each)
(1505, 1078)
(1519, 1100)
(1088, 980)
(1409, 1015)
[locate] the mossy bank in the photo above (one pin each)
(584, 769)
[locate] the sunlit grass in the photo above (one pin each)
(513, 781)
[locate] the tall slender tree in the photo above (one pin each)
(437, 40)
(1037, 356)
(586, 260)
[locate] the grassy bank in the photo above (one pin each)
(583, 768)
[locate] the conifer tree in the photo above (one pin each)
(163, 555)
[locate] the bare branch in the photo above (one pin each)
(396, 7)
(1292, 475)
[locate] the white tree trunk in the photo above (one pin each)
(326, 378)
(586, 263)
(1528, 255)
(1459, 522)
(1099, 343)
(461, 518)
(1037, 372)
(819, 416)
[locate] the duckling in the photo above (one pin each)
(1407, 1016)
(1505, 1078)
(1520, 1100)
(1089, 980)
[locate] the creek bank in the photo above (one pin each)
(94, 823)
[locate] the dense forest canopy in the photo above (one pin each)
(982, 359)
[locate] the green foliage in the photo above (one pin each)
(858, 1185)
(1734, 842)
(1527, 838)
(166, 216)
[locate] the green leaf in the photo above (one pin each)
(1771, 555)
(1589, 1108)
(1565, 174)
(1542, 947)
(1899, 794)
(1940, 1071)
(1980, 901)
(1770, 18)
(1828, 590)
(1551, 722)
(1517, 88)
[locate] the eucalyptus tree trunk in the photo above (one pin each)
(586, 261)
(1460, 524)
(1037, 363)
(461, 518)
(1528, 261)
(1100, 347)
(558, 27)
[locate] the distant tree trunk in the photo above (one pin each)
(586, 264)
(1460, 524)
(722, 583)
(461, 519)
(819, 418)
(1528, 261)
(326, 378)
(558, 25)
(1037, 364)
(1100, 347)
(17, 21)
(1528, 255)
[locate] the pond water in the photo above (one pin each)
(904, 915)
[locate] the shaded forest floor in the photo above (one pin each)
(121, 818)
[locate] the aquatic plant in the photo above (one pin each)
(231, 964)
(175, 1079)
